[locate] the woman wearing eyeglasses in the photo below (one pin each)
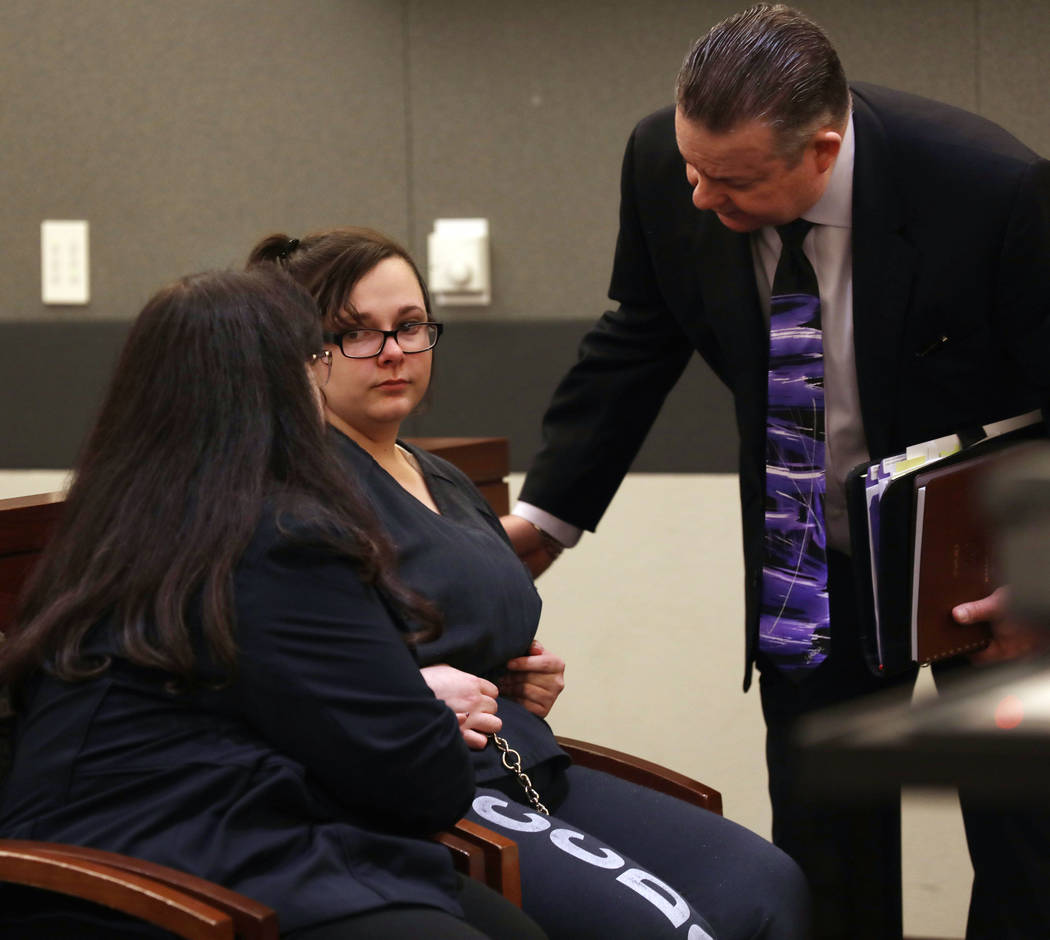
(213, 659)
(613, 859)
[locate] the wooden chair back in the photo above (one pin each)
(183, 904)
(26, 523)
(486, 460)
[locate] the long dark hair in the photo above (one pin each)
(210, 414)
(329, 263)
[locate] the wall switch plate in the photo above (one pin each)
(64, 268)
(458, 255)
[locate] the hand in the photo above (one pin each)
(534, 680)
(528, 544)
(1011, 638)
(472, 698)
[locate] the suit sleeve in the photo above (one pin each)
(324, 675)
(1024, 280)
(603, 409)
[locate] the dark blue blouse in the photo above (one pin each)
(462, 561)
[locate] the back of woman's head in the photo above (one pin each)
(210, 392)
(210, 413)
(329, 263)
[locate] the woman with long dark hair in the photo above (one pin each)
(613, 859)
(212, 664)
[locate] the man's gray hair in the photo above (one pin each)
(768, 63)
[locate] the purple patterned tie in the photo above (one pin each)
(793, 629)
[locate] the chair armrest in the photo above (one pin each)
(642, 772)
(485, 856)
(30, 864)
(492, 858)
(251, 920)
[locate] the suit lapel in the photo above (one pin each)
(884, 265)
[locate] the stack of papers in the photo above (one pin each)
(887, 504)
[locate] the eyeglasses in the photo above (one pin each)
(321, 364)
(413, 337)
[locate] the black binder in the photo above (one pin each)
(916, 592)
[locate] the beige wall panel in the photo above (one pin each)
(1015, 68)
(182, 131)
(520, 113)
(926, 47)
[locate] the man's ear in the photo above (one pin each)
(826, 143)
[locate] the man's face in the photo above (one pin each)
(740, 176)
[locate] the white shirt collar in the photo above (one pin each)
(835, 206)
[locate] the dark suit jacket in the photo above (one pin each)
(309, 782)
(951, 237)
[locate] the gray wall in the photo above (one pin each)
(185, 130)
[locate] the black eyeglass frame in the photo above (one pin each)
(336, 339)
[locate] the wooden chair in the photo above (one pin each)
(486, 460)
(643, 772)
(182, 904)
(485, 856)
(25, 526)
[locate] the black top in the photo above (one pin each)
(463, 562)
(309, 782)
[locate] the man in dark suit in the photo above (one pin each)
(930, 245)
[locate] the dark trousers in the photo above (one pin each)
(850, 848)
(486, 915)
(617, 860)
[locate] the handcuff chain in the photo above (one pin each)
(512, 761)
